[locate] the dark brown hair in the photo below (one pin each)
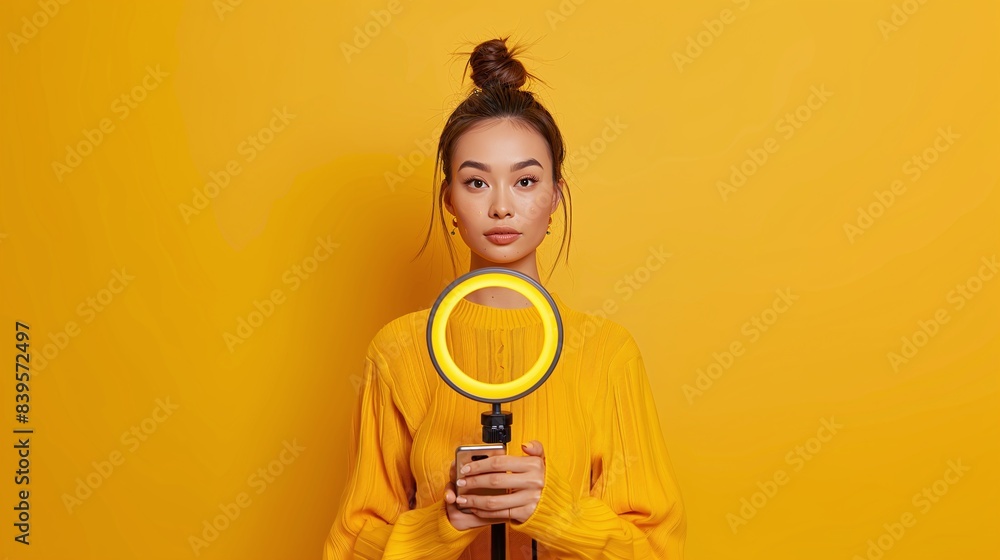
(498, 77)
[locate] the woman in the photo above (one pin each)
(593, 478)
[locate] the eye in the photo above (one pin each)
(530, 178)
(475, 183)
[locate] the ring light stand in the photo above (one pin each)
(496, 422)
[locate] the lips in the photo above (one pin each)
(501, 230)
(502, 235)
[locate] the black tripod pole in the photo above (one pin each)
(498, 541)
(496, 429)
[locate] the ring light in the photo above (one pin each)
(551, 343)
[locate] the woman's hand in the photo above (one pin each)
(459, 519)
(524, 481)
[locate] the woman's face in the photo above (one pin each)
(501, 178)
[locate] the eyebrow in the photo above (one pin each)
(486, 168)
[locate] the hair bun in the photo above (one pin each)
(494, 66)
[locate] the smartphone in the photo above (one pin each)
(465, 454)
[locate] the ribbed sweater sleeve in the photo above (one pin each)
(376, 520)
(634, 510)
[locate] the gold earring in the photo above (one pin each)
(547, 231)
(454, 223)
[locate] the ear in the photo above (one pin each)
(446, 197)
(557, 195)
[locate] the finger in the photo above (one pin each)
(501, 463)
(533, 448)
(449, 496)
(457, 510)
(467, 520)
(510, 481)
(499, 502)
(453, 504)
(463, 517)
(501, 514)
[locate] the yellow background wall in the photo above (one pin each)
(197, 224)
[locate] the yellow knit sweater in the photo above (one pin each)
(609, 488)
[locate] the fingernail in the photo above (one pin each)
(466, 469)
(461, 482)
(461, 500)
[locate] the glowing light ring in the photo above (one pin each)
(536, 374)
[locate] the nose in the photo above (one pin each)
(500, 204)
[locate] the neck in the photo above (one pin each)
(503, 298)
